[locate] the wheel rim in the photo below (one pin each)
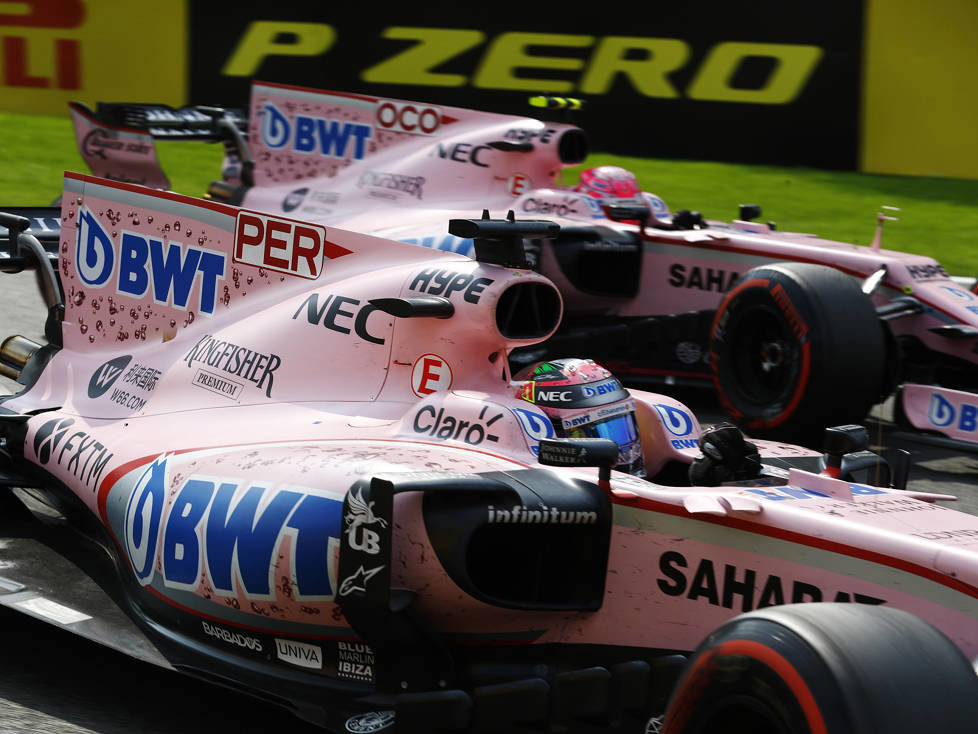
(742, 714)
(765, 355)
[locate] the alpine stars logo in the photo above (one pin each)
(106, 375)
(144, 265)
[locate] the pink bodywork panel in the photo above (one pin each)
(201, 394)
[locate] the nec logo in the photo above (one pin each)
(283, 245)
(170, 271)
(404, 117)
(553, 396)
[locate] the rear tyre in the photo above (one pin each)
(797, 347)
(825, 668)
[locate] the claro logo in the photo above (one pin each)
(574, 63)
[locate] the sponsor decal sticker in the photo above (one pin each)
(232, 638)
(355, 661)
(405, 117)
(464, 153)
(332, 313)
(168, 271)
(925, 272)
(703, 279)
(410, 185)
(103, 377)
(282, 245)
(293, 200)
(307, 134)
(676, 421)
(299, 653)
(357, 582)
(563, 208)
(430, 374)
(520, 515)
(223, 386)
(139, 376)
(536, 426)
(725, 585)
(232, 529)
(256, 367)
(76, 452)
(943, 414)
(518, 183)
(369, 722)
(436, 282)
(436, 424)
(358, 521)
(446, 243)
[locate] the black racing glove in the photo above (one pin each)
(727, 457)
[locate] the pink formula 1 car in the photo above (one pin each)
(292, 459)
(795, 332)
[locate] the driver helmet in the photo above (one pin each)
(584, 400)
(608, 181)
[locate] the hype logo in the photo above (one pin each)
(676, 421)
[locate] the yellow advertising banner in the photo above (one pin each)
(56, 51)
(920, 95)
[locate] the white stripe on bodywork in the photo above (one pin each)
(682, 528)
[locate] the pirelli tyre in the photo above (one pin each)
(797, 347)
(825, 668)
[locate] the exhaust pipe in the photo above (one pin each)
(15, 353)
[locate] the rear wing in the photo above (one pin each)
(117, 139)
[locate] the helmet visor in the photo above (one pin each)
(623, 431)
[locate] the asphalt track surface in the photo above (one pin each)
(53, 682)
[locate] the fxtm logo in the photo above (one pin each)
(308, 134)
(942, 414)
(145, 264)
(81, 455)
(231, 532)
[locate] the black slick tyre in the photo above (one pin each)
(795, 348)
(825, 668)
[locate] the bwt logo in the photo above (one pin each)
(605, 388)
(283, 245)
(232, 532)
(143, 264)
(329, 138)
(535, 425)
(676, 421)
(942, 414)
